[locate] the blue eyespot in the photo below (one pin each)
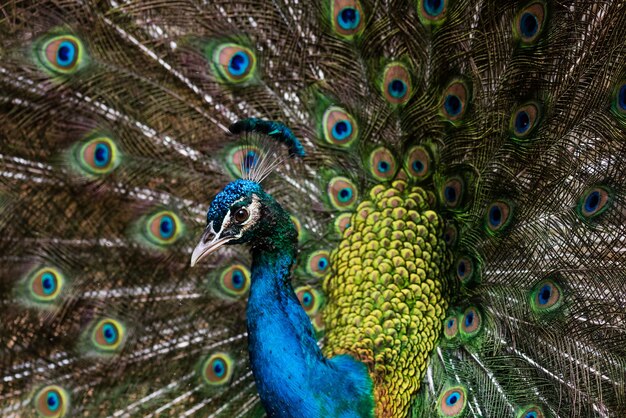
(464, 269)
(455, 101)
(544, 294)
(62, 54)
(383, 166)
(163, 228)
(396, 83)
(110, 333)
(102, 155)
(433, 7)
(108, 336)
(453, 398)
(342, 130)
(348, 18)
(453, 105)
(472, 322)
(345, 194)
(234, 280)
(530, 22)
(592, 201)
(232, 63)
(250, 160)
(342, 193)
(529, 25)
(397, 88)
(461, 269)
(66, 54)
(48, 283)
(310, 299)
(307, 298)
(166, 227)
(450, 193)
(495, 216)
(452, 402)
(238, 279)
(522, 122)
(322, 263)
(219, 368)
(238, 64)
(417, 166)
(53, 401)
(318, 263)
(531, 411)
(450, 323)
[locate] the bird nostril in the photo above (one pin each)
(208, 237)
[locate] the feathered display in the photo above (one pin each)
(448, 238)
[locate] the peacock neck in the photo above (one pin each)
(293, 377)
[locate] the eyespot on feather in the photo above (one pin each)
(530, 411)
(471, 322)
(217, 369)
(464, 269)
(450, 234)
(498, 216)
(339, 127)
(383, 164)
(418, 163)
(524, 120)
(163, 228)
(310, 299)
(235, 280)
(243, 159)
(233, 63)
(342, 193)
(455, 100)
(98, 156)
(452, 192)
(450, 327)
(593, 202)
(318, 263)
(452, 402)
(546, 296)
(343, 222)
(530, 23)
(46, 284)
(432, 11)
(347, 18)
(62, 54)
(396, 84)
(108, 335)
(51, 401)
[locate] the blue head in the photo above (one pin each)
(242, 213)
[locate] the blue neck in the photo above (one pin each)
(293, 377)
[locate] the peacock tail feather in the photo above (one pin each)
(460, 200)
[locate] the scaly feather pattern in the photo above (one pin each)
(460, 201)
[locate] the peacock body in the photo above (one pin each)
(431, 194)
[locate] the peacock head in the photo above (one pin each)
(242, 213)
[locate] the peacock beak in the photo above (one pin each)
(209, 242)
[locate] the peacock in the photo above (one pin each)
(335, 208)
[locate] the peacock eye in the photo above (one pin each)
(396, 83)
(241, 215)
(63, 54)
